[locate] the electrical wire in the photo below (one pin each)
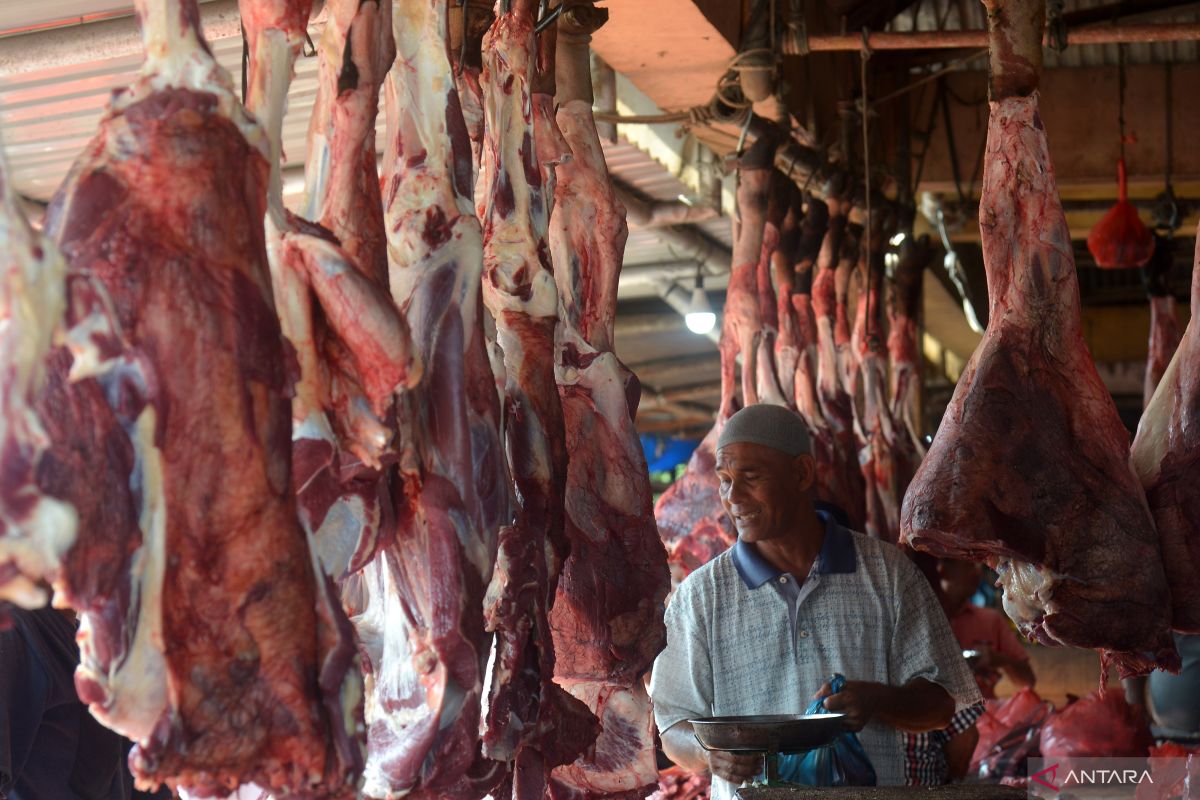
(865, 56)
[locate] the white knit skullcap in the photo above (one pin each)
(777, 427)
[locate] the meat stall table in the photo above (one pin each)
(958, 791)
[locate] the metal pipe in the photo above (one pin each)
(944, 40)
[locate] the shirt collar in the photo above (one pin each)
(836, 556)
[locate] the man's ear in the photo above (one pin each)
(806, 471)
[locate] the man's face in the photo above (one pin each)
(762, 489)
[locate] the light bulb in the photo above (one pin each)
(700, 318)
(897, 240)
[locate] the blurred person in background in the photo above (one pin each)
(997, 650)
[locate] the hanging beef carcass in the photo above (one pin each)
(1030, 469)
(842, 478)
(532, 723)
(886, 458)
(776, 233)
(691, 520)
(352, 346)
(36, 530)
(903, 341)
(420, 602)
(607, 615)
(1164, 326)
(238, 669)
(788, 342)
(1166, 456)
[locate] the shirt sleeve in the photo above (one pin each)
(922, 645)
(681, 684)
(1007, 642)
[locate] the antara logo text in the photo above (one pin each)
(1048, 777)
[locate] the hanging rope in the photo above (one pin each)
(1121, 98)
(865, 56)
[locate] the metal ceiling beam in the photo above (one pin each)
(940, 40)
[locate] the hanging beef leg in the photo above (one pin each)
(1166, 457)
(843, 480)
(1030, 468)
(425, 593)
(1164, 326)
(607, 615)
(531, 723)
(903, 345)
(224, 694)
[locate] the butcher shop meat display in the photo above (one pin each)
(1030, 469)
(213, 689)
(1166, 456)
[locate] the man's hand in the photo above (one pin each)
(915, 707)
(734, 767)
(857, 700)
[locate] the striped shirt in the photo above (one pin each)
(744, 638)
(925, 753)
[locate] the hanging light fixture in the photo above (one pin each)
(700, 318)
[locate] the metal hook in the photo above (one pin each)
(548, 20)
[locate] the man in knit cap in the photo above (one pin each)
(762, 627)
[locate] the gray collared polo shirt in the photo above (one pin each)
(743, 638)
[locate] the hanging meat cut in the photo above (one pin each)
(1030, 469)
(36, 530)
(1164, 326)
(607, 616)
(1166, 456)
(351, 345)
(886, 458)
(691, 521)
(532, 723)
(421, 603)
(903, 341)
(213, 689)
(841, 478)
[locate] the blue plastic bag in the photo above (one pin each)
(843, 763)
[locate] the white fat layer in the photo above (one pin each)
(32, 303)
(1150, 444)
(1028, 590)
(176, 58)
(136, 687)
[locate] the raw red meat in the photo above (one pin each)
(691, 520)
(1164, 326)
(1030, 469)
(215, 691)
(607, 616)
(352, 346)
(742, 320)
(887, 458)
(1101, 725)
(841, 477)
(36, 529)
(783, 272)
(421, 614)
(341, 180)
(1166, 457)
(532, 724)
(903, 345)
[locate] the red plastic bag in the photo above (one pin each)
(1009, 733)
(1096, 727)
(1120, 240)
(1175, 771)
